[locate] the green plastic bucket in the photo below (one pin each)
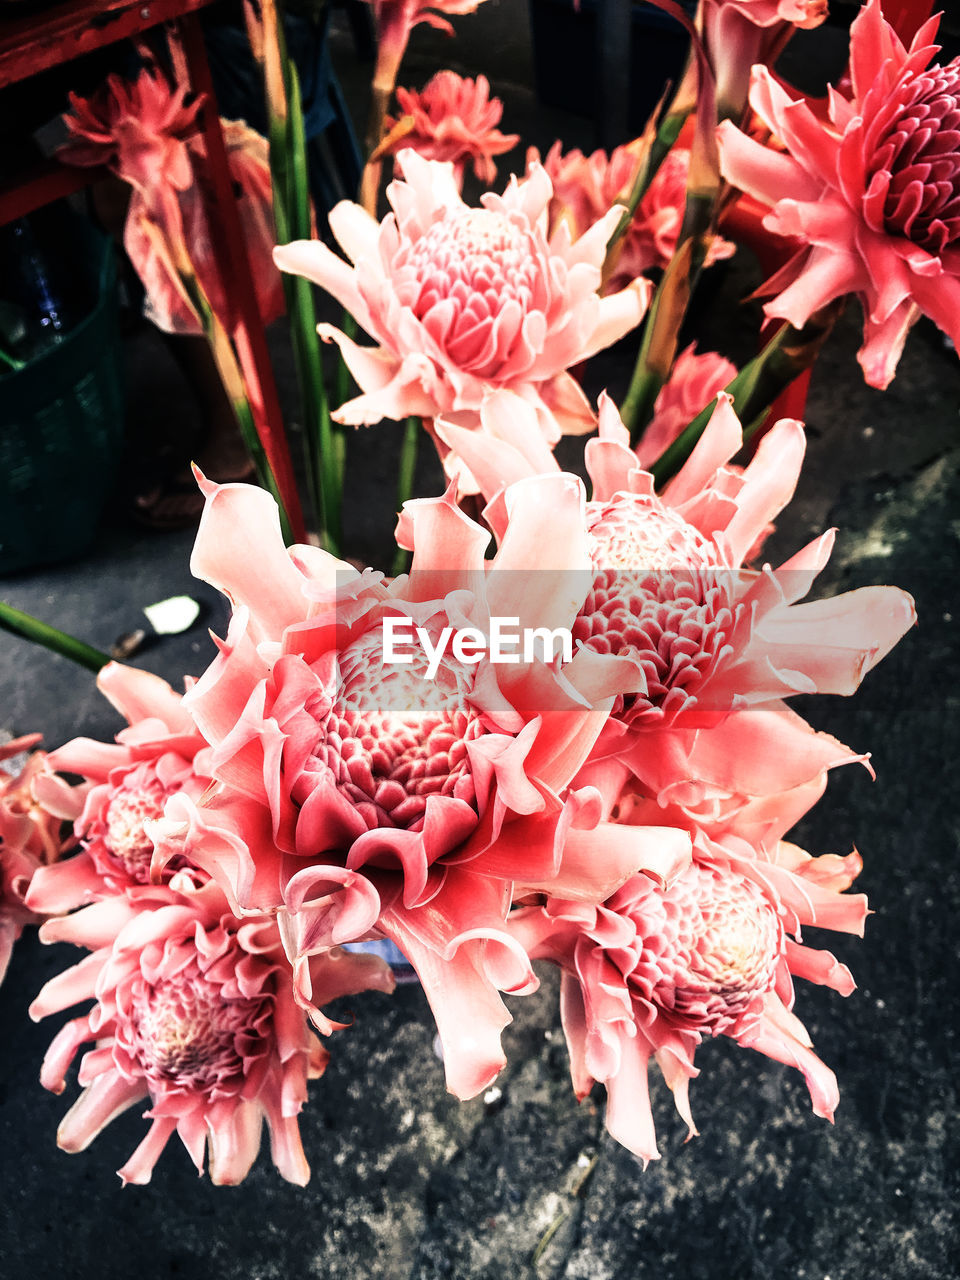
(61, 431)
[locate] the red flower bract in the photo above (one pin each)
(718, 647)
(34, 803)
(656, 970)
(147, 135)
(452, 119)
(194, 1012)
(127, 784)
(912, 149)
(360, 796)
(464, 303)
(872, 194)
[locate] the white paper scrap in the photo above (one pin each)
(171, 617)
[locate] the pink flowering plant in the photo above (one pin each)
(451, 119)
(561, 729)
(35, 805)
(585, 187)
(870, 194)
(467, 302)
(147, 134)
(146, 131)
(193, 1012)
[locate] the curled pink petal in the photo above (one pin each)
(659, 967)
(194, 1011)
(869, 196)
(453, 119)
(463, 303)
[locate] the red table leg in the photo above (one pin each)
(233, 264)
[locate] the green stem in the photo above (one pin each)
(300, 211)
(645, 386)
(647, 170)
(10, 361)
(741, 388)
(787, 354)
(231, 375)
(668, 310)
(408, 467)
(320, 450)
(683, 101)
(380, 95)
(652, 369)
(294, 221)
(265, 476)
(24, 624)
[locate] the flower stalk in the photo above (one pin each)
(787, 355)
(231, 375)
(293, 220)
(373, 169)
(26, 625)
(661, 334)
(659, 342)
(651, 159)
(656, 143)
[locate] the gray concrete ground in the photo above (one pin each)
(410, 1185)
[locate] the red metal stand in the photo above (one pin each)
(37, 42)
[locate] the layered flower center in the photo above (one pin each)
(636, 532)
(125, 838)
(715, 952)
(471, 280)
(117, 837)
(913, 164)
(189, 1032)
(659, 595)
(394, 737)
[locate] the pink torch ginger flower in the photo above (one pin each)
(359, 799)
(719, 646)
(765, 13)
(585, 187)
(395, 20)
(194, 1013)
(145, 134)
(740, 33)
(138, 128)
(463, 302)
(128, 784)
(694, 381)
(33, 806)
(655, 970)
(873, 194)
(451, 119)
